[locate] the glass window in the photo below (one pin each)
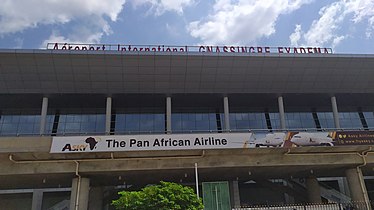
(274, 120)
(295, 120)
(350, 120)
(187, 121)
(80, 123)
(142, 121)
(326, 119)
(245, 121)
(369, 117)
(18, 123)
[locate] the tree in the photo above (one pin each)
(164, 196)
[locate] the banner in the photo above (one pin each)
(80, 144)
(299, 139)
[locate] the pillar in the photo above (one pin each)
(235, 196)
(335, 112)
(282, 117)
(79, 194)
(313, 190)
(37, 200)
(96, 198)
(43, 115)
(168, 114)
(356, 185)
(108, 114)
(226, 113)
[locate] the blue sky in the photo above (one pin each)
(347, 26)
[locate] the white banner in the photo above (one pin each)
(79, 144)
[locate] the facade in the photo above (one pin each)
(246, 109)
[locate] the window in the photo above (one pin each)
(350, 120)
(143, 121)
(19, 122)
(326, 119)
(244, 121)
(80, 122)
(296, 120)
(193, 122)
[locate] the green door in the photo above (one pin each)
(216, 196)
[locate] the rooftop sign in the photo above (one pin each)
(201, 48)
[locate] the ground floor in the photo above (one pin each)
(85, 193)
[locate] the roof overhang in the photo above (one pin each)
(111, 72)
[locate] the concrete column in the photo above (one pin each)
(235, 196)
(226, 113)
(96, 198)
(282, 117)
(108, 114)
(356, 185)
(168, 114)
(313, 190)
(37, 200)
(43, 115)
(335, 112)
(79, 194)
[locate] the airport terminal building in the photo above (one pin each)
(242, 125)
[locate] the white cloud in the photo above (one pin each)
(17, 15)
(90, 16)
(158, 7)
(322, 30)
(325, 30)
(242, 21)
(295, 36)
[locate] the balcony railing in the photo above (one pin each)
(324, 206)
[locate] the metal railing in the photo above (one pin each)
(187, 131)
(322, 206)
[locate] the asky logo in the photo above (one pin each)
(90, 142)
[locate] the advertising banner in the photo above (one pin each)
(296, 139)
(80, 144)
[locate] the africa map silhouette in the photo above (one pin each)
(92, 142)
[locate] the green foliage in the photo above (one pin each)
(165, 196)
